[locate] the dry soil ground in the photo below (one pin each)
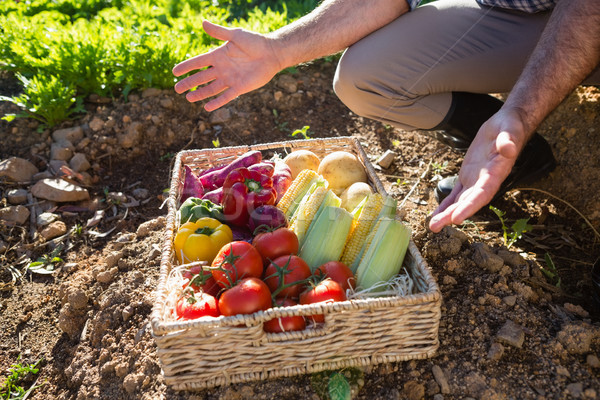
(507, 330)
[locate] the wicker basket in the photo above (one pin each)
(210, 352)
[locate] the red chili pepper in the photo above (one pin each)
(244, 191)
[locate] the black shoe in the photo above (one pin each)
(535, 162)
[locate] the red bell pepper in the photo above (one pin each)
(243, 191)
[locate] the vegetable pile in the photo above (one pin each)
(256, 234)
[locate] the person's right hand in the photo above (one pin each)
(245, 62)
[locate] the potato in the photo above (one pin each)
(301, 159)
(354, 194)
(341, 169)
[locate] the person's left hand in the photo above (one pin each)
(486, 165)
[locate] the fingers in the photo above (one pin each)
(227, 96)
(204, 92)
(505, 146)
(217, 31)
(459, 208)
(197, 79)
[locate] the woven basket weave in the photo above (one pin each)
(210, 352)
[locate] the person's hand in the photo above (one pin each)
(245, 62)
(486, 165)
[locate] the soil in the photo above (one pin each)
(508, 330)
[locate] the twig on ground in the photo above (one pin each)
(412, 189)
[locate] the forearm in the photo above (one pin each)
(332, 27)
(568, 51)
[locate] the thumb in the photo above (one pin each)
(217, 31)
(505, 146)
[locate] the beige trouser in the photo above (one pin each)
(404, 73)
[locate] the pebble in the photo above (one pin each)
(16, 196)
(151, 92)
(441, 379)
(511, 334)
(287, 83)
(17, 169)
(592, 361)
(62, 150)
(166, 103)
(73, 135)
(141, 193)
(575, 389)
(220, 116)
(131, 136)
(14, 215)
(96, 124)
(79, 162)
(59, 190)
(386, 159)
(113, 258)
(496, 352)
(46, 218)
(54, 229)
(510, 300)
(107, 276)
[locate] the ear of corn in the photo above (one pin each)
(384, 254)
(330, 200)
(326, 237)
(388, 210)
(298, 189)
(306, 212)
(364, 220)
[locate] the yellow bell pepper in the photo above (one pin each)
(201, 240)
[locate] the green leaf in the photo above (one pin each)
(339, 388)
(521, 226)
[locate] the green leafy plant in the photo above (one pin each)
(550, 271)
(516, 230)
(337, 385)
(47, 263)
(304, 132)
(12, 388)
(216, 142)
(281, 125)
(438, 168)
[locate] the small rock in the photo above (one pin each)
(14, 215)
(220, 116)
(16, 196)
(563, 371)
(55, 229)
(485, 258)
(441, 379)
(576, 309)
(151, 92)
(59, 190)
(510, 300)
(576, 338)
(132, 381)
(496, 351)
(386, 159)
(113, 258)
(55, 166)
(141, 193)
(43, 175)
(575, 389)
(277, 95)
(413, 390)
(46, 218)
(475, 385)
(288, 83)
(592, 361)
(73, 135)
(62, 150)
(166, 103)
(17, 169)
(511, 334)
(121, 369)
(127, 313)
(448, 280)
(96, 124)
(79, 162)
(132, 135)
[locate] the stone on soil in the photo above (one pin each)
(17, 169)
(73, 134)
(14, 215)
(511, 334)
(62, 150)
(59, 190)
(46, 218)
(386, 159)
(16, 196)
(55, 229)
(132, 135)
(79, 162)
(441, 379)
(485, 258)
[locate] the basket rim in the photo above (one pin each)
(161, 328)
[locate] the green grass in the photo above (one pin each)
(64, 50)
(12, 386)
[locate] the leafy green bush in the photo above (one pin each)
(65, 50)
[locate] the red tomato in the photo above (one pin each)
(327, 290)
(192, 306)
(339, 272)
(293, 269)
(285, 324)
(280, 242)
(248, 296)
(235, 261)
(201, 280)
